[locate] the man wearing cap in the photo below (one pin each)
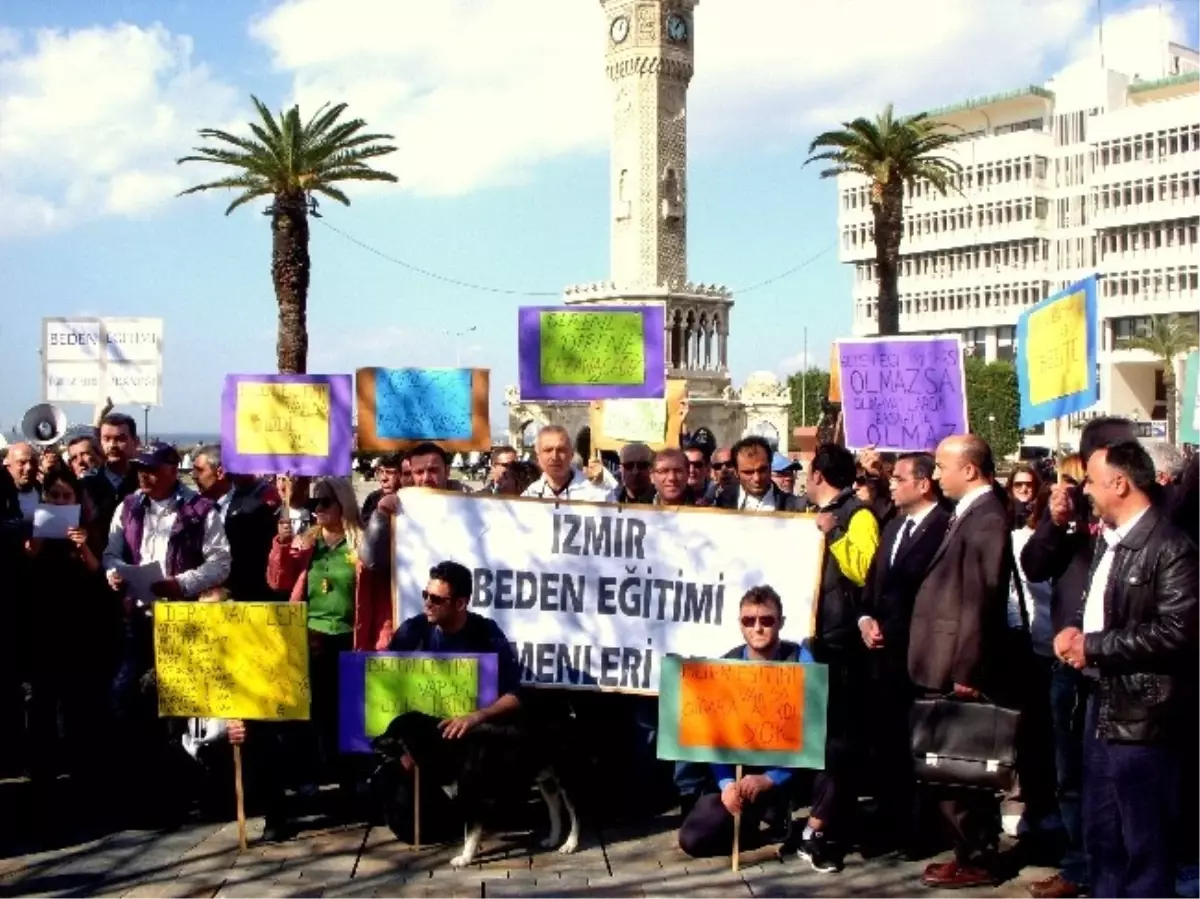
(168, 523)
(698, 450)
(783, 473)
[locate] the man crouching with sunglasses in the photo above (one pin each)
(445, 626)
(761, 795)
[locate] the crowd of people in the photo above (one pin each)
(1072, 600)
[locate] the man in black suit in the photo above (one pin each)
(755, 492)
(907, 547)
(958, 639)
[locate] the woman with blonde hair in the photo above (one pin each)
(1071, 468)
(349, 606)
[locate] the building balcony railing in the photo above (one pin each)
(1144, 213)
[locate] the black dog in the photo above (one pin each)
(492, 764)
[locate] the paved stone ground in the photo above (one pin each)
(202, 860)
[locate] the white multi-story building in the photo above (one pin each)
(1098, 171)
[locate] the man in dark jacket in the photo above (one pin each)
(753, 490)
(1060, 551)
(249, 509)
(905, 550)
(958, 640)
(1139, 631)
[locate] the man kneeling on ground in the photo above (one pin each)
(761, 794)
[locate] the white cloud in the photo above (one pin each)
(794, 363)
(1135, 41)
(416, 348)
(479, 92)
(93, 120)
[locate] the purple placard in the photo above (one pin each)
(352, 690)
(902, 394)
(337, 463)
(529, 351)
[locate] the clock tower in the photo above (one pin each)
(649, 61)
(649, 51)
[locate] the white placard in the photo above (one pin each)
(133, 340)
(52, 522)
(71, 339)
(592, 594)
(140, 578)
(86, 360)
(132, 383)
(73, 382)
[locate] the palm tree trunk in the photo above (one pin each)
(889, 225)
(290, 270)
(1169, 397)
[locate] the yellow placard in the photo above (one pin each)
(635, 421)
(282, 419)
(232, 660)
(1056, 347)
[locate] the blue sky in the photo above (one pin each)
(499, 108)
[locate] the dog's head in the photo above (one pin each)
(414, 733)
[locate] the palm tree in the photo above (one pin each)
(891, 153)
(290, 161)
(1169, 337)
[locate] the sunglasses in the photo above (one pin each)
(1018, 485)
(721, 466)
(639, 466)
(434, 599)
(767, 621)
(692, 463)
(323, 502)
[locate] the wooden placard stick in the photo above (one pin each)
(737, 825)
(1058, 454)
(416, 807)
(241, 796)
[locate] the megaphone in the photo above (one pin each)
(44, 424)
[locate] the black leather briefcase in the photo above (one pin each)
(964, 743)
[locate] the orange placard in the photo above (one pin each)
(835, 376)
(741, 707)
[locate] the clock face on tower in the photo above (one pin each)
(677, 28)
(619, 30)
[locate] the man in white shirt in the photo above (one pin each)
(1138, 633)
(559, 480)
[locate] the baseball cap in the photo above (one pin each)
(703, 440)
(155, 454)
(781, 464)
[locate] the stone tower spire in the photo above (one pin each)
(649, 60)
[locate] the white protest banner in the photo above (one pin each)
(85, 360)
(594, 594)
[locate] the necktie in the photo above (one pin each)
(905, 536)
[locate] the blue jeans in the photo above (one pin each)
(1069, 690)
(1130, 812)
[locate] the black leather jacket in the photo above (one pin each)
(1147, 653)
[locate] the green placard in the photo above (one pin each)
(720, 710)
(1189, 411)
(444, 688)
(592, 348)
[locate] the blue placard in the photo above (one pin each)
(423, 404)
(1056, 355)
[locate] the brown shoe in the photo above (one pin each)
(958, 877)
(1056, 887)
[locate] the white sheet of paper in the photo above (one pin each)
(138, 579)
(53, 522)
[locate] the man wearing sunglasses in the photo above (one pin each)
(724, 473)
(635, 476)
(760, 794)
(446, 627)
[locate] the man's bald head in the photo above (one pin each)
(964, 462)
(21, 462)
(635, 452)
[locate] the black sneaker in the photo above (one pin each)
(819, 854)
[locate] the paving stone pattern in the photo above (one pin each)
(360, 861)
